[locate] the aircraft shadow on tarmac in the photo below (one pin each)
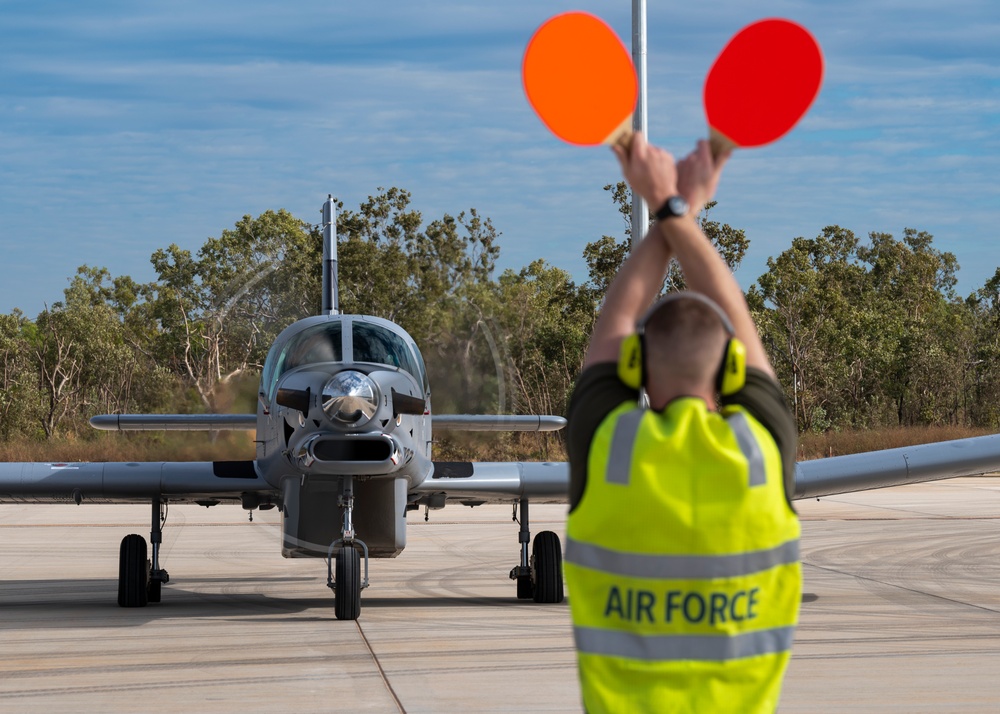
(26, 604)
(30, 604)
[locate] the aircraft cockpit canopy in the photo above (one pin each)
(374, 343)
(369, 342)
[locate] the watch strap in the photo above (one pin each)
(673, 207)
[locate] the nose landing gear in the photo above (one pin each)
(345, 578)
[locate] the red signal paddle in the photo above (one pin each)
(761, 84)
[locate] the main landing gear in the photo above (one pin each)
(139, 578)
(345, 577)
(540, 576)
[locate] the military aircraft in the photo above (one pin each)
(344, 434)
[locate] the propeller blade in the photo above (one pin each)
(405, 404)
(294, 399)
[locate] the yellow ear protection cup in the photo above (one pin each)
(732, 372)
(631, 365)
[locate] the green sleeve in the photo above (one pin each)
(597, 393)
(763, 398)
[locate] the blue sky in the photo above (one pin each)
(127, 126)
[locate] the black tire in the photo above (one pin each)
(525, 590)
(347, 584)
(546, 568)
(133, 572)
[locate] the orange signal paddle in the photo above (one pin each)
(579, 79)
(761, 84)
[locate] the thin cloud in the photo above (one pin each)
(126, 128)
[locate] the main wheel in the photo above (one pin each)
(546, 567)
(133, 572)
(153, 591)
(347, 584)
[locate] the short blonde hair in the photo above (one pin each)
(685, 337)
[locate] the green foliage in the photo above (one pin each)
(547, 321)
(867, 335)
(605, 256)
(19, 397)
(863, 334)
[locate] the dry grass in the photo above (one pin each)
(838, 443)
(135, 446)
(238, 445)
(499, 446)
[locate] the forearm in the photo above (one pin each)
(706, 272)
(628, 297)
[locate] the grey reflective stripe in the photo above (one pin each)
(749, 446)
(679, 567)
(716, 648)
(622, 445)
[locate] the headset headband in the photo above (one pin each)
(687, 295)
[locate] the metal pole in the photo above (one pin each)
(331, 297)
(640, 212)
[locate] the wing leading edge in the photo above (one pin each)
(896, 467)
(113, 482)
(549, 482)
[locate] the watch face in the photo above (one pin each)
(677, 206)
(673, 207)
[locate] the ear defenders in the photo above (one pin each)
(731, 375)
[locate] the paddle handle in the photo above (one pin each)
(622, 136)
(719, 142)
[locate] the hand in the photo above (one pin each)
(698, 175)
(649, 170)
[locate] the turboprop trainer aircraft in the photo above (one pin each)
(343, 436)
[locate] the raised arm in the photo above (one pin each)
(641, 276)
(697, 177)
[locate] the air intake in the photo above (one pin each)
(353, 449)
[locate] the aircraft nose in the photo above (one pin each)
(351, 398)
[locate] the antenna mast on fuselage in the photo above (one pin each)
(331, 296)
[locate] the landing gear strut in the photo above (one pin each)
(539, 576)
(347, 581)
(139, 579)
(157, 575)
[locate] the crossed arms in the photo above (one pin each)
(653, 174)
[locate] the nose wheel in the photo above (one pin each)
(343, 561)
(347, 584)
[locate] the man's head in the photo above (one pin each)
(685, 338)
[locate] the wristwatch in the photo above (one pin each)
(673, 207)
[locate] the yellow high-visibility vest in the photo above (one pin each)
(682, 563)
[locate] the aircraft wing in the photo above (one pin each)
(498, 422)
(173, 422)
(220, 422)
(472, 482)
(895, 467)
(206, 482)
